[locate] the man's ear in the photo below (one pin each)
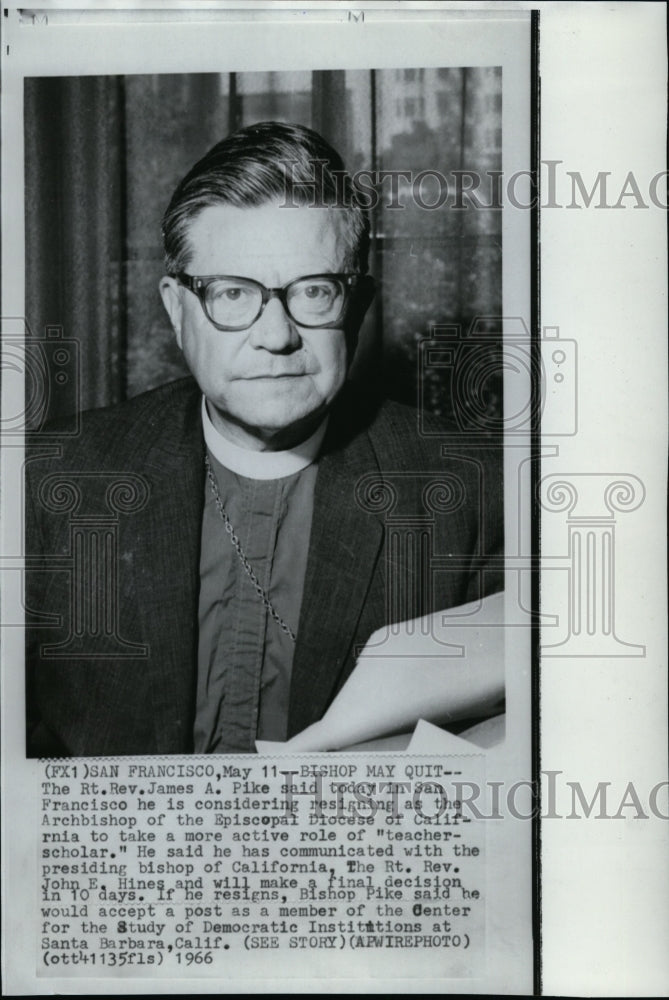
(170, 293)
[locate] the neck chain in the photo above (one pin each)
(236, 544)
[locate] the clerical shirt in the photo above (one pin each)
(244, 656)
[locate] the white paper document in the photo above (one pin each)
(410, 672)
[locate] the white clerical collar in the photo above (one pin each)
(260, 464)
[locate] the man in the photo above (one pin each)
(223, 540)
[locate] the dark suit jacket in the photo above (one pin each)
(113, 537)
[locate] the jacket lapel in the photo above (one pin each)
(343, 551)
(168, 571)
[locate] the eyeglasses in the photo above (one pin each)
(233, 303)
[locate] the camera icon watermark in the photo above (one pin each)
(41, 380)
(497, 358)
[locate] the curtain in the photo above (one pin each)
(75, 227)
(103, 155)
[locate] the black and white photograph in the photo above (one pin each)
(242, 513)
(312, 568)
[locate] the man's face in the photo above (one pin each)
(270, 385)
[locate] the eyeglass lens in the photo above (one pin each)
(309, 301)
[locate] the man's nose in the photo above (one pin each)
(274, 330)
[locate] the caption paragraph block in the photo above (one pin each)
(219, 867)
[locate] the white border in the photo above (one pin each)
(384, 40)
(603, 107)
(161, 47)
(606, 919)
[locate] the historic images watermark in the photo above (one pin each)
(432, 189)
(433, 795)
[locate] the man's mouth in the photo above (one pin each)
(279, 375)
